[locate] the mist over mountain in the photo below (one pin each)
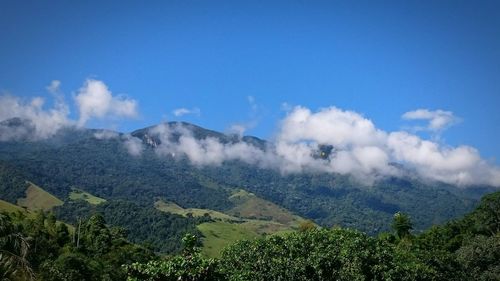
(200, 168)
(356, 146)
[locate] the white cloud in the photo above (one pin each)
(133, 145)
(106, 134)
(460, 165)
(184, 111)
(54, 87)
(253, 105)
(94, 100)
(438, 119)
(208, 151)
(359, 149)
(358, 144)
(240, 128)
(41, 123)
(330, 125)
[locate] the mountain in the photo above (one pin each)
(101, 163)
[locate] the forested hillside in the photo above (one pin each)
(37, 247)
(99, 162)
(464, 249)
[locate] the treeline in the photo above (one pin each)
(37, 247)
(466, 249)
(12, 183)
(160, 231)
(334, 199)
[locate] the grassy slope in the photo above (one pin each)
(9, 207)
(219, 234)
(77, 194)
(37, 198)
(173, 208)
(250, 206)
(250, 218)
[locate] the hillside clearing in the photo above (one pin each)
(219, 234)
(171, 207)
(252, 207)
(38, 199)
(9, 207)
(78, 194)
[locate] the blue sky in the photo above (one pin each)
(378, 59)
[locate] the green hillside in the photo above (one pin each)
(463, 249)
(78, 194)
(220, 234)
(171, 207)
(267, 200)
(248, 205)
(38, 199)
(9, 207)
(250, 218)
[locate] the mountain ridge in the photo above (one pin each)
(100, 164)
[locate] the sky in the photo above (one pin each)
(431, 68)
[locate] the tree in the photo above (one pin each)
(190, 266)
(306, 225)
(96, 235)
(402, 224)
(480, 257)
(13, 251)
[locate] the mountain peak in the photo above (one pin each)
(151, 136)
(19, 129)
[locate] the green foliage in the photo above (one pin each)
(77, 194)
(14, 249)
(104, 168)
(320, 254)
(469, 247)
(306, 225)
(481, 257)
(331, 199)
(219, 234)
(464, 249)
(343, 254)
(486, 217)
(190, 266)
(459, 250)
(12, 183)
(402, 225)
(143, 224)
(40, 244)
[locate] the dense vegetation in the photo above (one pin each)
(77, 160)
(38, 247)
(143, 224)
(339, 200)
(12, 183)
(102, 167)
(105, 169)
(466, 249)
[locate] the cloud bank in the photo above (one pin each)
(330, 140)
(358, 148)
(38, 122)
(35, 121)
